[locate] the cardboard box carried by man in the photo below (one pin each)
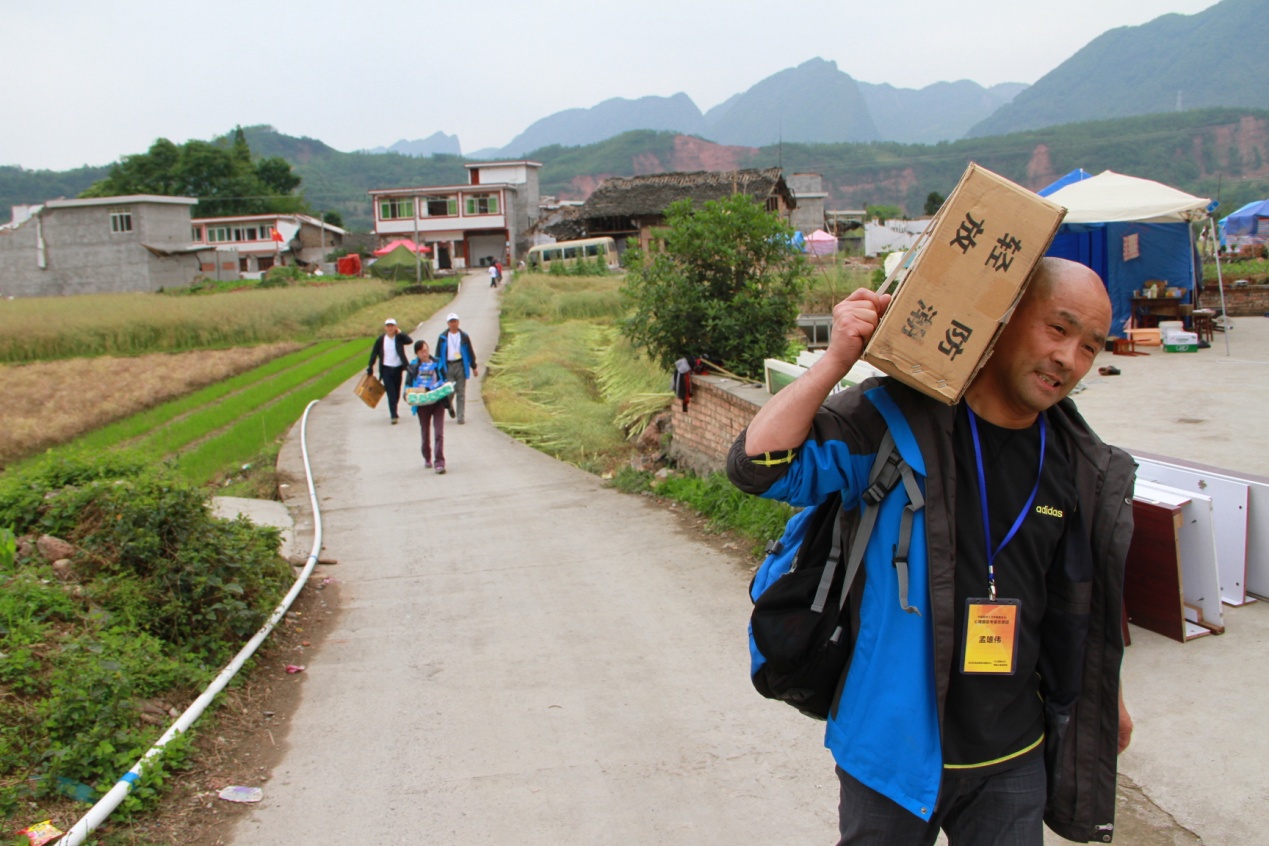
(958, 285)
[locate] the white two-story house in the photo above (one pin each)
(470, 225)
(253, 243)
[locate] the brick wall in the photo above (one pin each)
(720, 408)
(1247, 301)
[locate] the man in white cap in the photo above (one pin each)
(390, 351)
(454, 348)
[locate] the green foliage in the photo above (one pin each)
(832, 283)
(1252, 269)
(933, 203)
(883, 213)
(160, 594)
(221, 174)
(717, 498)
(632, 481)
(338, 181)
(281, 275)
(726, 287)
(8, 548)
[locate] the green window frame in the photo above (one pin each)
(482, 204)
(440, 206)
(396, 208)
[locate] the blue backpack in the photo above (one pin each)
(800, 632)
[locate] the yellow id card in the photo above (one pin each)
(991, 636)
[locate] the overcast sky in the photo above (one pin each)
(88, 81)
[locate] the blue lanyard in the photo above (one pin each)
(982, 493)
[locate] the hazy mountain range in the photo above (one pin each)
(1173, 63)
(811, 103)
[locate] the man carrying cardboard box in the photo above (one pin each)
(991, 703)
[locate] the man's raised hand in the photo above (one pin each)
(854, 320)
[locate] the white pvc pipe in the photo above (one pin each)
(98, 813)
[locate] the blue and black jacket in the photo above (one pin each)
(885, 731)
(469, 354)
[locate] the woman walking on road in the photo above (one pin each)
(426, 372)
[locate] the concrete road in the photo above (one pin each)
(525, 656)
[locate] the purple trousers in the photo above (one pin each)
(433, 416)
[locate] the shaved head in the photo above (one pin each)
(1057, 329)
(1054, 276)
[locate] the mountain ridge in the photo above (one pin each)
(1148, 69)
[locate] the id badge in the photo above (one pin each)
(991, 636)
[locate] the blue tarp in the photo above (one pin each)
(1245, 221)
(1077, 175)
(1165, 254)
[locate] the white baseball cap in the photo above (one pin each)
(452, 316)
(389, 322)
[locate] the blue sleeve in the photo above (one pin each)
(836, 456)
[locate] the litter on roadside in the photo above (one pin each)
(237, 793)
(294, 668)
(41, 833)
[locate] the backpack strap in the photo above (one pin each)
(916, 501)
(881, 479)
(888, 469)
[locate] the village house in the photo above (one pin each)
(250, 244)
(631, 209)
(808, 191)
(470, 225)
(138, 242)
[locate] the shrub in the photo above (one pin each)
(727, 286)
(160, 596)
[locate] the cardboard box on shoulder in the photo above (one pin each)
(957, 286)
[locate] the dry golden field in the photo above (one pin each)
(52, 402)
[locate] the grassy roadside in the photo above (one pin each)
(120, 596)
(565, 382)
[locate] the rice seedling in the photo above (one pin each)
(211, 417)
(256, 430)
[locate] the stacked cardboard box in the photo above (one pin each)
(957, 286)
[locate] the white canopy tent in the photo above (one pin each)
(1131, 230)
(1113, 197)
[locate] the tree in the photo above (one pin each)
(883, 213)
(220, 174)
(933, 203)
(726, 286)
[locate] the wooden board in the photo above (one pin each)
(1230, 505)
(1256, 579)
(1196, 546)
(1152, 574)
